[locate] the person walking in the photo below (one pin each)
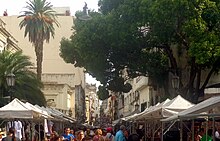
(55, 136)
(79, 136)
(217, 134)
(11, 136)
(120, 134)
(207, 137)
(109, 135)
(98, 135)
(67, 136)
(88, 136)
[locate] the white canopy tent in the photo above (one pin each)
(43, 113)
(19, 110)
(56, 114)
(135, 116)
(200, 109)
(151, 109)
(167, 108)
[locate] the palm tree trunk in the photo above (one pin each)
(39, 58)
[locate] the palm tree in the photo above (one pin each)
(27, 86)
(39, 20)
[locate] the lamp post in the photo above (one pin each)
(10, 78)
(175, 82)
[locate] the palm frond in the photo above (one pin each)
(26, 84)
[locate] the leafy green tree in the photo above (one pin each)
(150, 38)
(39, 20)
(189, 35)
(27, 86)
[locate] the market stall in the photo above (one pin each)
(206, 112)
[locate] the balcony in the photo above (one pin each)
(141, 82)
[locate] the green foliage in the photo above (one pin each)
(102, 93)
(27, 86)
(141, 37)
(106, 6)
(118, 85)
(106, 45)
(38, 21)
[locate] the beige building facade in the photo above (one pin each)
(62, 82)
(92, 104)
(140, 97)
(7, 41)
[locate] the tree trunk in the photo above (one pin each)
(172, 59)
(39, 58)
(197, 90)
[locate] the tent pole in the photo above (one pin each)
(181, 130)
(162, 126)
(132, 126)
(193, 132)
(39, 131)
(44, 124)
(169, 126)
(206, 130)
(145, 130)
(153, 130)
(213, 126)
(32, 130)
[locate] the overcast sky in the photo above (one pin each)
(14, 7)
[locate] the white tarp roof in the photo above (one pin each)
(141, 113)
(167, 108)
(43, 113)
(56, 114)
(199, 108)
(147, 113)
(17, 109)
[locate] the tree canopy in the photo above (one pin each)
(150, 38)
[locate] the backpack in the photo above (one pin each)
(109, 137)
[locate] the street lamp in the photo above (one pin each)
(175, 82)
(10, 78)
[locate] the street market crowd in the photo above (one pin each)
(88, 134)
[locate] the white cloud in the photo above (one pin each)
(92, 80)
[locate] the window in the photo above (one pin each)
(1, 46)
(143, 106)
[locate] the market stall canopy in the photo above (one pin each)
(134, 117)
(17, 109)
(117, 121)
(167, 108)
(43, 113)
(57, 114)
(199, 109)
(147, 113)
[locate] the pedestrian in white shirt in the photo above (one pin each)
(217, 134)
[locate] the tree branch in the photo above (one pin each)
(173, 62)
(208, 77)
